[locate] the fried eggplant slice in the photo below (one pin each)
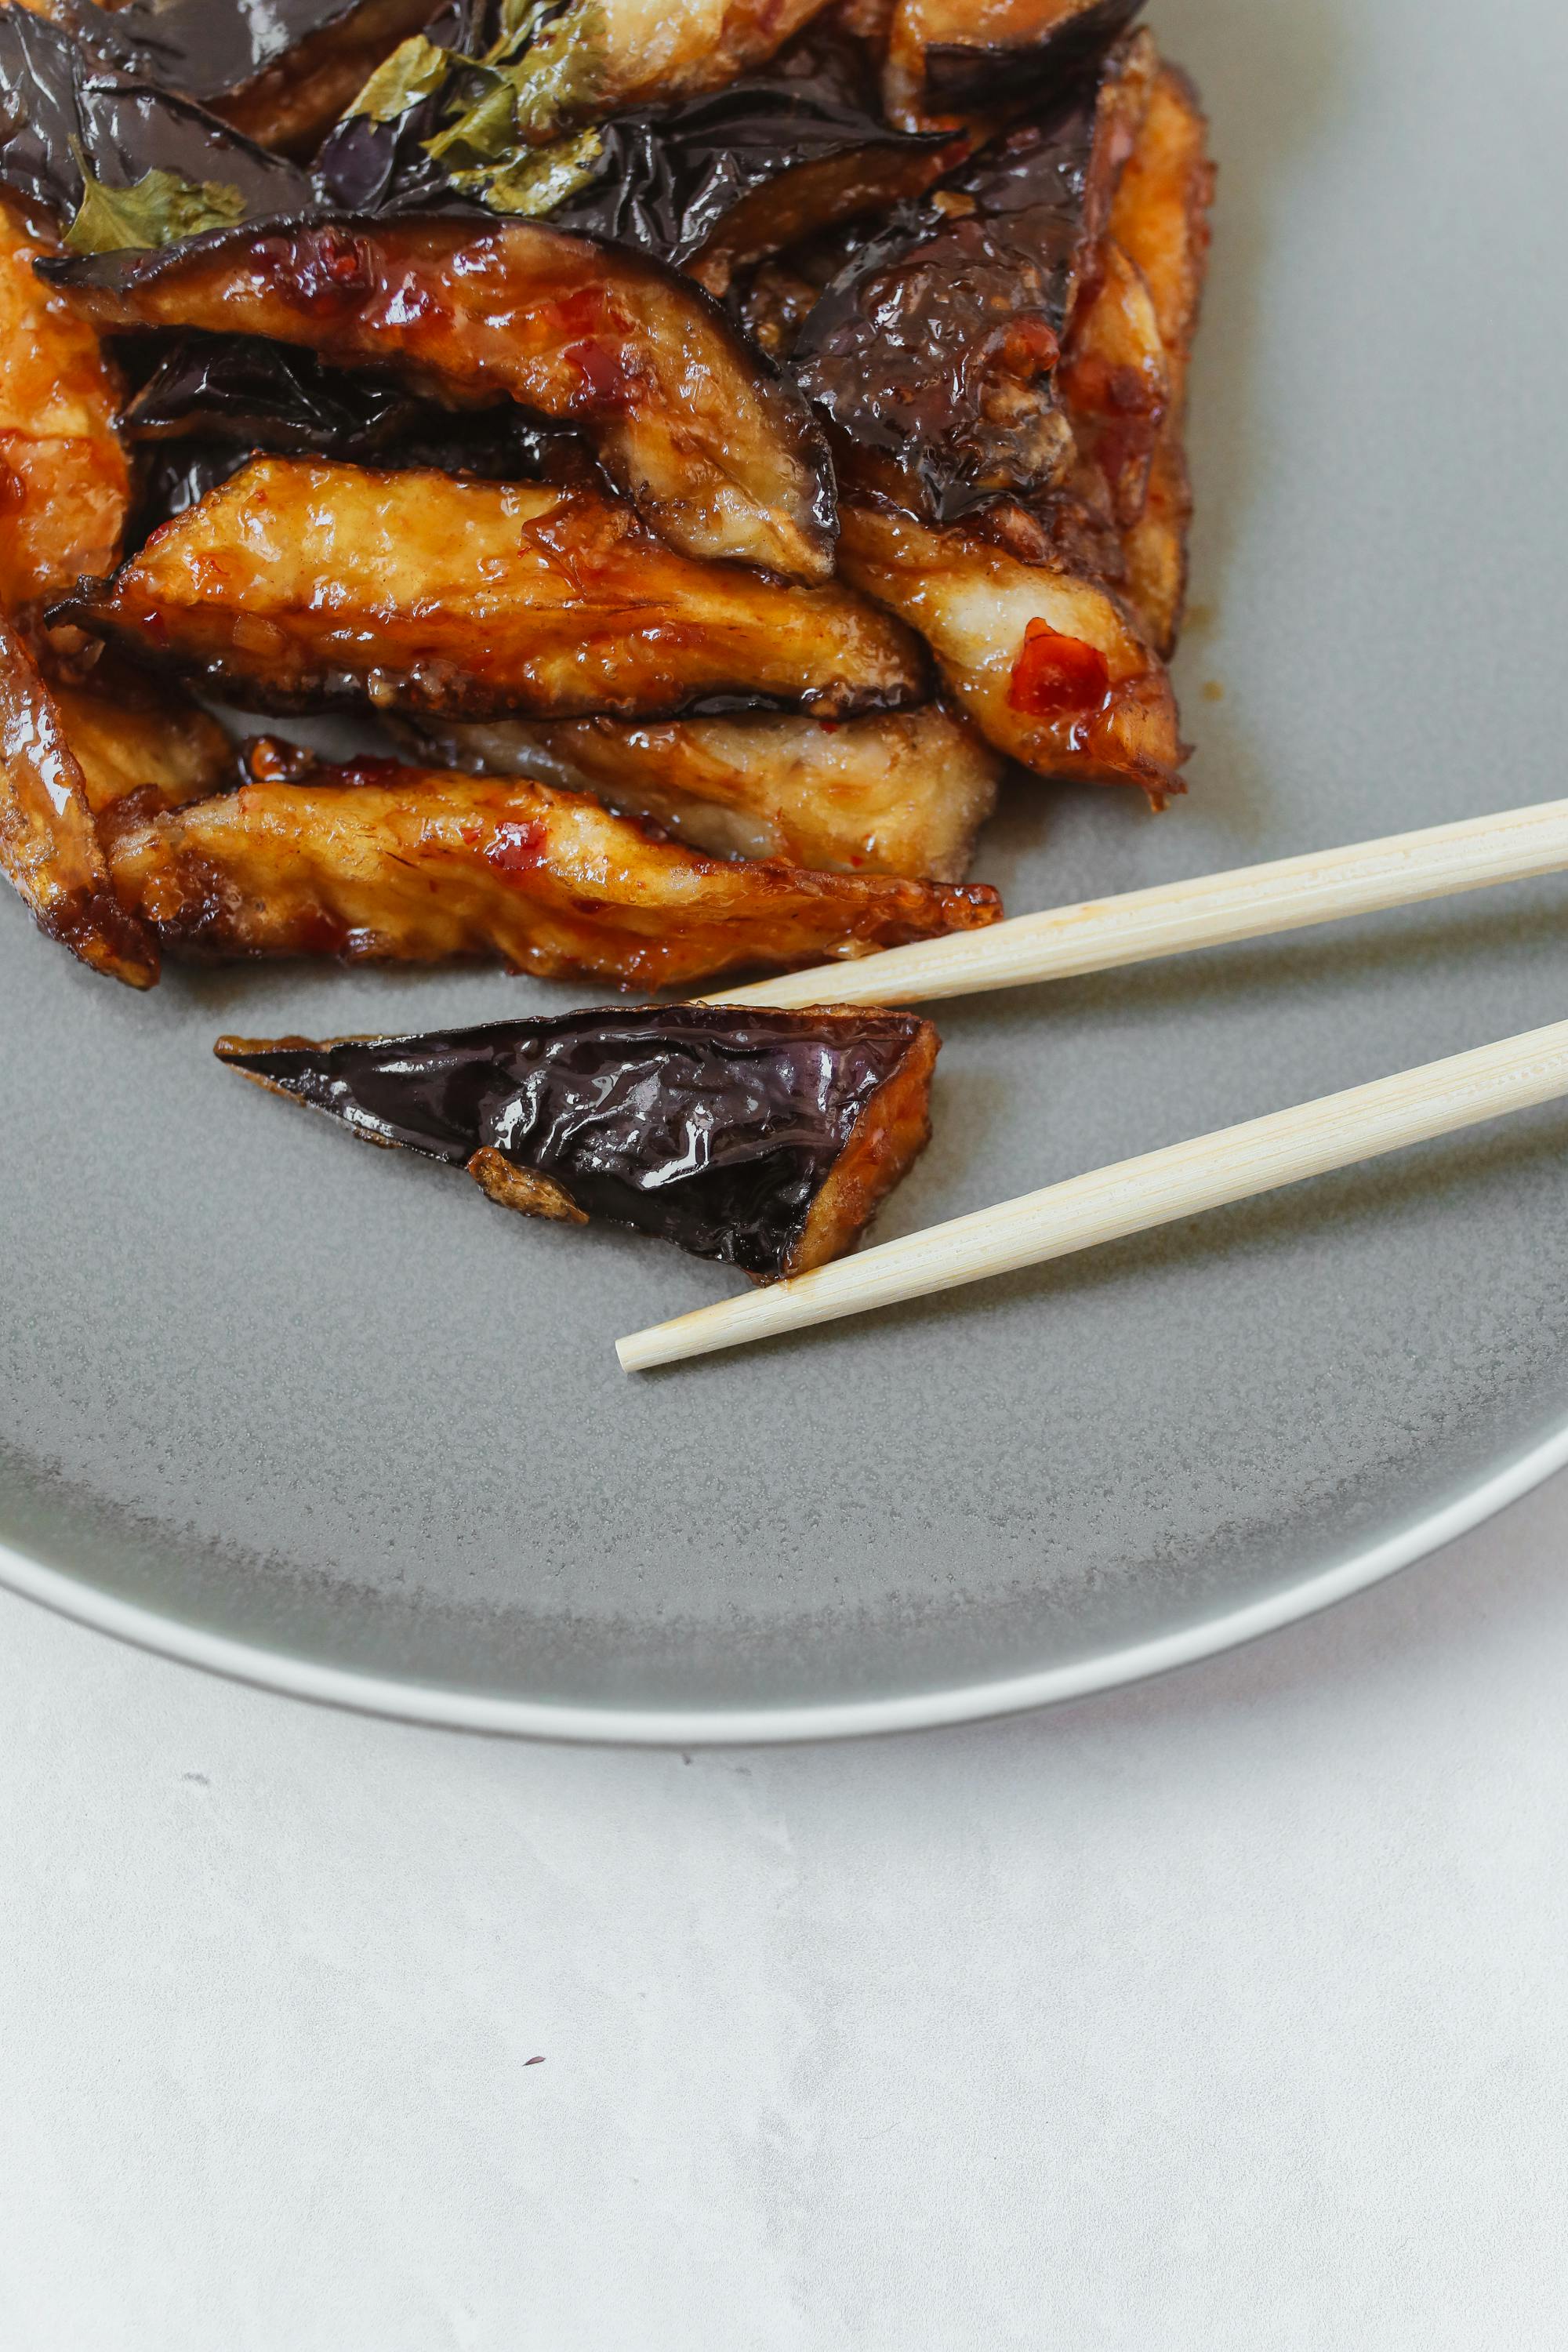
(386, 863)
(592, 59)
(952, 57)
(299, 584)
(935, 351)
(213, 400)
(1050, 665)
(900, 794)
(281, 74)
(49, 847)
(717, 452)
(116, 160)
(764, 1139)
(1161, 221)
(65, 485)
(1116, 386)
(718, 182)
(710, 183)
(140, 745)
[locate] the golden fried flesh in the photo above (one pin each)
(64, 482)
(646, 49)
(381, 862)
(1050, 664)
(300, 582)
(49, 848)
(719, 454)
(140, 744)
(903, 793)
(1159, 220)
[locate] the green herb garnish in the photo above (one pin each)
(416, 67)
(539, 179)
(158, 209)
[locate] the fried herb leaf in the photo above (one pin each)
(415, 71)
(158, 209)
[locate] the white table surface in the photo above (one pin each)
(1226, 2013)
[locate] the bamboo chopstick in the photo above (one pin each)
(1246, 903)
(1135, 1195)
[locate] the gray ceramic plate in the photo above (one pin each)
(273, 1403)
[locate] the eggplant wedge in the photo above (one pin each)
(140, 746)
(718, 182)
(718, 453)
(953, 57)
(590, 58)
(212, 400)
(116, 160)
(49, 847)
(281, 74)
(385, 863)
(710, 183)
(900, 794)
(65, 485)
(764, 1139)
(1161, 221)
(934, 353)
(1051, 667)
(1116, 387)
(300, 584)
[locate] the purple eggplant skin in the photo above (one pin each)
(203, 49)
(934, 351)
(665, 179)
(669, 178)
(961, 79)
(365, 166)
(212, 400)
(58, 104)
(713, 1126)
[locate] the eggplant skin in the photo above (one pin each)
(935, 351)
(213, 401)
(61, 109)
(718, 182)
(763, 1139)
(281, 74)
(708, 182)
(49, 846)
(905, 793)
(716, 451)
(65, 485)
(299, 584)
(382, 863)
(1052, 667)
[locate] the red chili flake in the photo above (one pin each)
(1054, 674)
(518, 847)
(605, 377)
(1028, 348)
(367, 770)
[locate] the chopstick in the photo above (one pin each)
(1131, 1197)
(1245, 903)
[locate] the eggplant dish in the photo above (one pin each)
(698, 452)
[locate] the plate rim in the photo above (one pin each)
(440, 1708)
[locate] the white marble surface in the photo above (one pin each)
(1226, 2013)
